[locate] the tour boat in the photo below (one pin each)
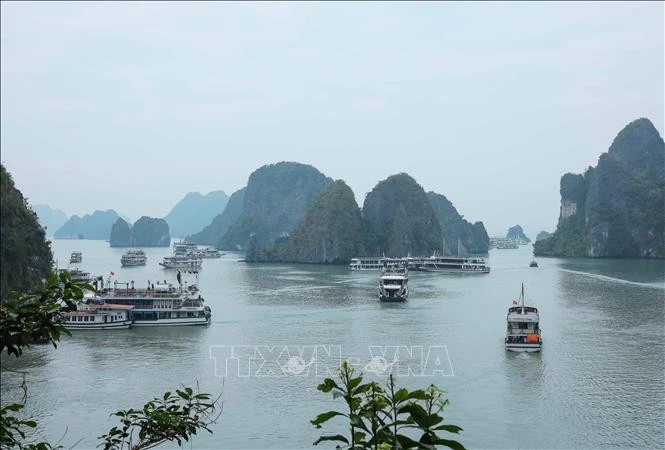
(99, 316)
(367, 263)
(160, 303)
(523, 332)
(181, 262)
(533, 263)
(449, 264)
(393, 283)
(132, 258)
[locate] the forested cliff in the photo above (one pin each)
(616, 209)
(25, 254)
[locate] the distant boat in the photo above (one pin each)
(132, 258)
(76, 257)
(533, 263)
(523, 328)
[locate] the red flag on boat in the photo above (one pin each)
(514, 302)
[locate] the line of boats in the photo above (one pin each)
(434, 263)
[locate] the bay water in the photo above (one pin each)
(279, 329)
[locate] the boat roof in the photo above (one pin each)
(528, 316)
(112, 306)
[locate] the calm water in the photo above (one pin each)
(598, 383)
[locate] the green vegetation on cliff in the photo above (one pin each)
(213, 233)
(456, 230)
(618, 208)
(400, 219)
(25, 254)
(331, 232)
(276, 198)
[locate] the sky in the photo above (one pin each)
(130, 106)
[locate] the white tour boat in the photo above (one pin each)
(181, 262)
(393, 283)
(99, 316)
(160, 303)
(449, 264)
(133, 257)
(523, 332)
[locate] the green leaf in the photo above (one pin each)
(336, 437)
(449, 443)
(449, 428)
(324, 417)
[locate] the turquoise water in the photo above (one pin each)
(598, 383)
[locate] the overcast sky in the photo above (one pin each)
(130, 106)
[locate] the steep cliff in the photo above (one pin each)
(215, 231)
(25, 254)
(146, 232)
(150, 232)
(277, 197)
(121, 234)
(331, 232)
(194, 212)
(516, 233)
(400, 219)
(616, 209)
(455, 230)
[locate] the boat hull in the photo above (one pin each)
(529, 348)
(171, 322)
(121, 325)
(393, 299)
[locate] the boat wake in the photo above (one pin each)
(655, 285)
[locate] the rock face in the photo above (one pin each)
(95, 226)
(51, 219)
(195, 211)
(121, 234)
(25, 254)
(213, 233)
(517, 234)
(146, 232)
(332, 232)
(615, 209)
(460, 236)
(400, 219)
(542, 235)
(151, 232)
(277, 197)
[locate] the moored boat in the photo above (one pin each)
(133, 257)
(160, 303)
(523, 327)
(99, 316)
(393, 284)
(367, 263)
(449, 264)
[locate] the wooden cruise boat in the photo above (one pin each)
(523, 327)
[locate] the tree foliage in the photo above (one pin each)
(386, 418)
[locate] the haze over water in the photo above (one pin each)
(597, 383)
